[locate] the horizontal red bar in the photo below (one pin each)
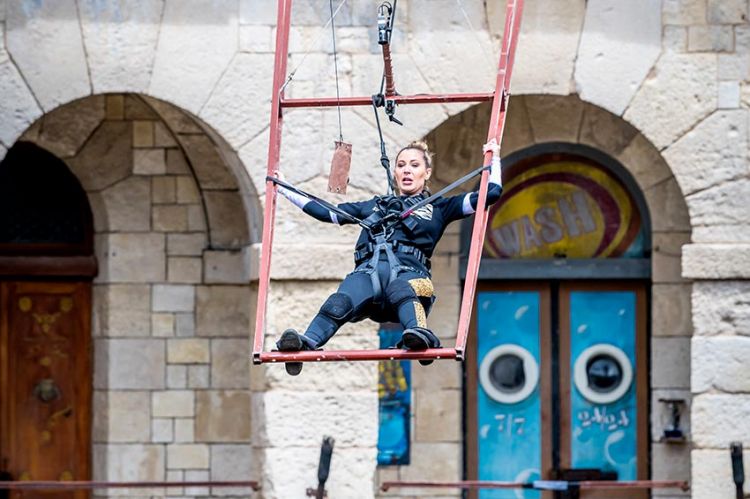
(88, 485)
(342, 355)
(592, 484)
(400, 99)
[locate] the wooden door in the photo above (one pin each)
(45, 378)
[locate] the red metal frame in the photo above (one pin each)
(90, 485)
(591, 485)
(499, 105)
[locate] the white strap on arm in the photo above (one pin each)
(297, 199)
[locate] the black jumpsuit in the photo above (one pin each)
(407, 298)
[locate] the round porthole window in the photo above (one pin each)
(603, 373)
(509, 374)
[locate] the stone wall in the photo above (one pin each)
(661, 85)
(171, 302)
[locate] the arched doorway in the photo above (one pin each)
(558, 372)
(46, 268)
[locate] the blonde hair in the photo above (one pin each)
(419, 145)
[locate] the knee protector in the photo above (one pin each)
(398, 292)
(338, 307)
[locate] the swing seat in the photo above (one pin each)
(357, 355)
(278, 102)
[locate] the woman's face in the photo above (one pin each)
(411, 172)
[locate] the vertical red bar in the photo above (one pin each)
(283, 22)
(513, 13)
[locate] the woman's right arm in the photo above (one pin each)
(319, 212)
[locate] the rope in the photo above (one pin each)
(384, 161)
(310, 47)
(336, 70)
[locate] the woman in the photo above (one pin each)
(391, 281)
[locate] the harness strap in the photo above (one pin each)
(371, 266)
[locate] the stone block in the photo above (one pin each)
(549, 39)
(327, 264)
(176, 377)
(721, 205)
(727, 11)
(106, 158)
(38, 46)
(136, 108)
(64, 130)
(143, 134)
(196, 44)
(620, 42)
(222, 416)
(716, 261)
(671, 311)
(115, 105)
(149, 161)
(721, 307)
(720, 418)
(438, 416)
(554, 118)
(715, 151)
(196, 217)
(197, 476)
(226, 219)
(670, 462)
(223, 311)
(187, 191)
(177, 476)
(710, 39)
(230, 366)
(644, 162)
(256, 39)
(162, 324)
(237, 106)
(199, 377)
(210, 169)
(173, 404)
(722, 233)
(129, 364)
(729, 95)
(163, 190)
(684, 12)
(715, 477)
(184, 430)
(232, 462)
(674, 38)
(344, 414)
(173, 298)
(674, 97)
(188, 351)
(432, 459)
(185, 324)
(666, 256)
(188, 456)
(176, 162)
(227, 267)
(129, 463)
(128, 417)
(720, 363)
(125, 65)
(670, 362)
(185, 244)
(178, 121)
(128, 205)
(438, 376)
(18, 104)
(162, 430)
(257, 12)
(184, 269)
(163, 137)
(605, 131)
(667, 207)
(123, 309)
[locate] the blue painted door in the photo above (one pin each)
(560, 384)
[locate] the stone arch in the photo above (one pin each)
(545, 119)
(175, 222)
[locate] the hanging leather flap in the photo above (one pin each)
(340, 165)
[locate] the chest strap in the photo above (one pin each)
(368, 263)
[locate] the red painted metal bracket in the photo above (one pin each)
(499, 99)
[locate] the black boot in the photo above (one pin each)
(419, 338)
(292, 341)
